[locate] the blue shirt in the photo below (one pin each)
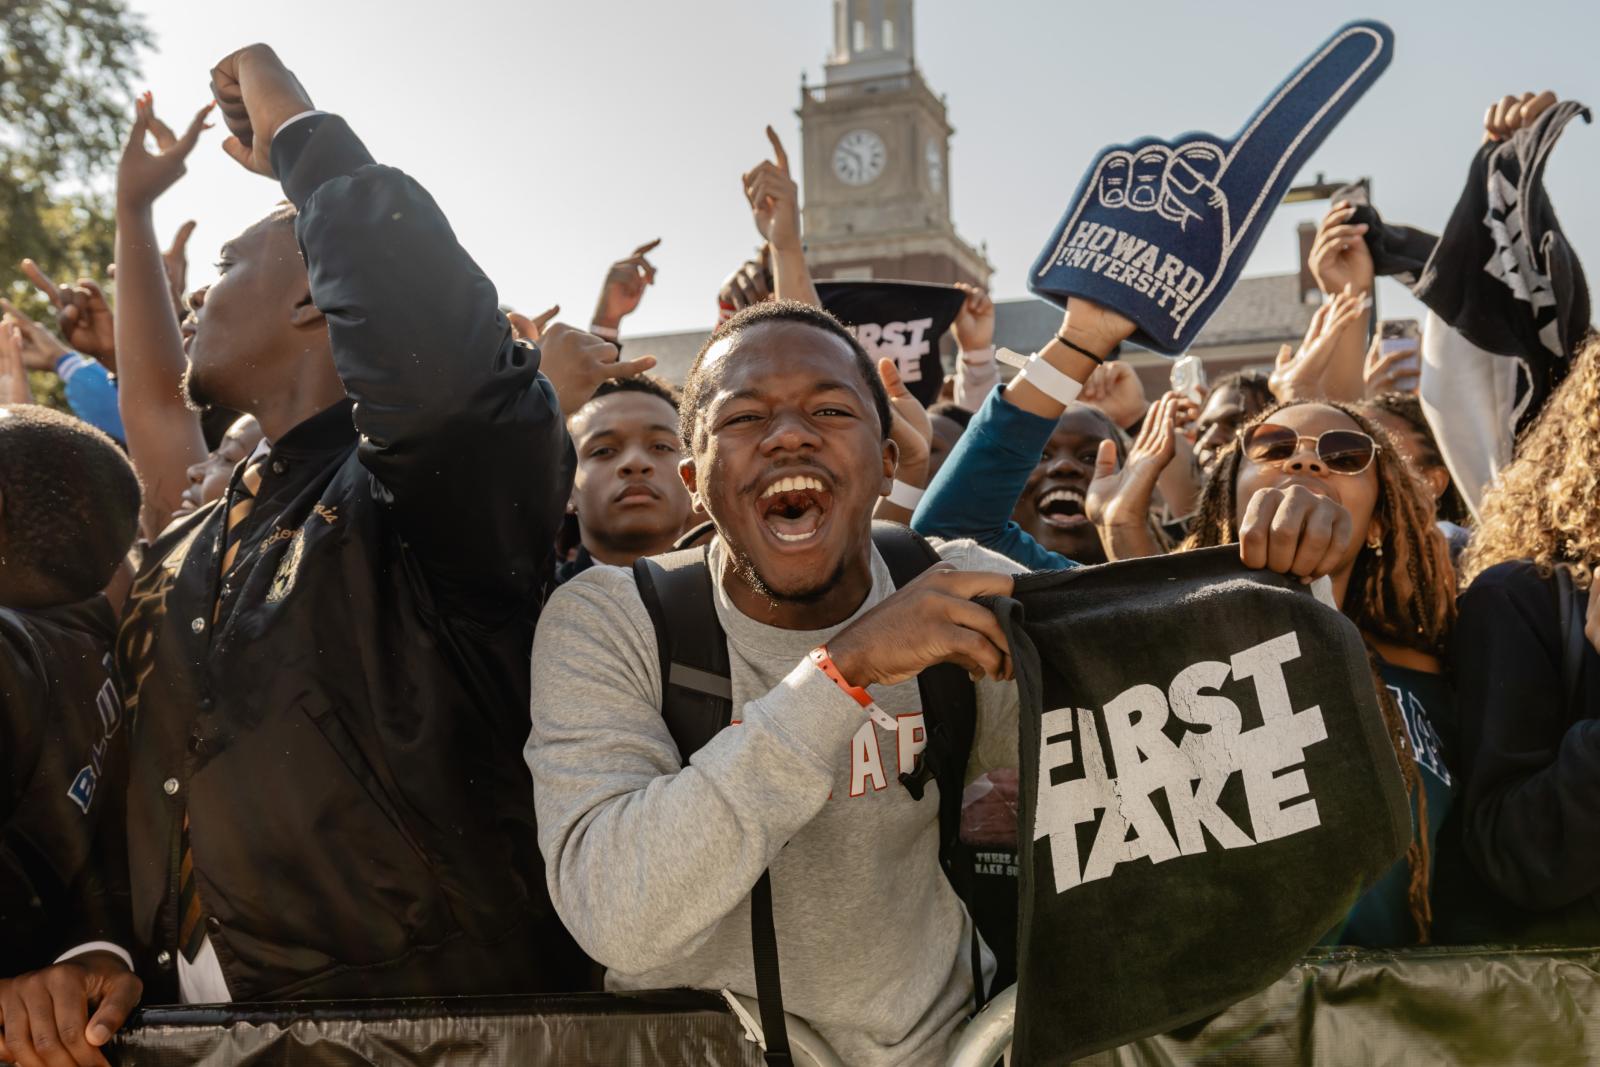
(92, 393)
(976, 490)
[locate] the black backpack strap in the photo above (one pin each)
(769, 985)
(700, 535)
(950, 722)
(697, 702)
(696, 691)
(1569, 610)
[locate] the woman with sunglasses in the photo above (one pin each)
(1392, 579)
(1391, 574)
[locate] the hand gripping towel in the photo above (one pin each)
(1207, 786)
(1158, 230)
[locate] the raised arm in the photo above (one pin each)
(623, 288)
(163, 436)
(461, 433)
(976, 490)
(1341, 262)
(977, 372)
(775, 206)
(1118, 501)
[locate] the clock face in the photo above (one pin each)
(859, 156)
(935, 160)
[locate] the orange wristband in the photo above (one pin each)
(825, 664)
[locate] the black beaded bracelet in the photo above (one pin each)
(1098, 360)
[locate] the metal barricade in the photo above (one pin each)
(1458, 1006)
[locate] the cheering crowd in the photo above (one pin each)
(271, 597)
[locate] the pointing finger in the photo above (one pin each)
(41, 281)
(181, 240)
(648, 246)
(779, 155)
(629, 368)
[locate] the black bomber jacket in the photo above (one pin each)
(345, 734)
(63, 777)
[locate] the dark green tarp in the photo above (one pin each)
(1458, 1006)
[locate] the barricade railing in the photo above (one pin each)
(1461, 1006)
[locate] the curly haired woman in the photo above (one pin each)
(1529, 682)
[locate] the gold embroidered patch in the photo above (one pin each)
(288, 567)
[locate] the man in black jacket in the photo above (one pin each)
(69, 507)
(328, 668)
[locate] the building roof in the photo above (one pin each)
(1259, 311)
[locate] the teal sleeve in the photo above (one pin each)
(980, 483)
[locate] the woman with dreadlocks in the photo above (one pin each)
(1529, 679)
(1394, 581)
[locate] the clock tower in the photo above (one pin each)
(876, 146)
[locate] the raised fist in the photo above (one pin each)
(256, 94)
(974, 325)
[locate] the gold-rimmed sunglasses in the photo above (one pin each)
(1341, 451)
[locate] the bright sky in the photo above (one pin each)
(559, 135)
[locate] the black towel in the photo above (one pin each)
(1503, 274)
(904, 321)
(1207, 787)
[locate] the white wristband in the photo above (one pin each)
(978, 357)
(96, 946)
(1051, 382)
(606, 332)
(905, 496)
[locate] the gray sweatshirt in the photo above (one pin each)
(651, 863)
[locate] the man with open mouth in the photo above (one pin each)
(651, 857)
(653, 860)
